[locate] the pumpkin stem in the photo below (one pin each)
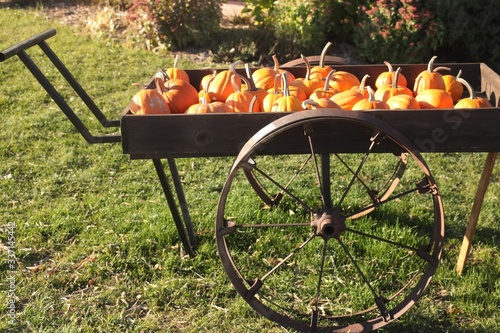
(203, 101)
(308, 67)
(431, 64)
(286, 91)
(276, 63)
(160, 79)
(323, 54)
(441, 68)
(308, 102)
(328, 79)
(276, 83)
(363, 82)
(389, 66)
(244, 79)
(251, 84)
(472, 93)
(371, 94)
(458, 75)
(207, 83)
(232, 68)
(176, 61)
(252, 103)
(395, 78)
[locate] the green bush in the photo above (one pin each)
(177, 24)
(472, 30)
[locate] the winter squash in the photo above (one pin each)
(362, 87)
(250, 86)
(429, 78)
(434, 99)
(205, 79)
(370, 103)
(307, 84)
(385, 92)
(452, 86)
(204, 107)
(347, 99)
(240, 101)
(344, 81)
(473, 101)
(175, 72)
(403, 102)
(327, 91)
(277, 69)
(221, 86)
(148, 101)
(320, 103)
(179, 94)
(287, 102)
(264, 78)
(386, 78)
(272, 97)
(321, 71)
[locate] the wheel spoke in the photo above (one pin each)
(314, 315)
(274, 225)
(388, 241)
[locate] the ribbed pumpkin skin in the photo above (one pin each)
(287, 104)
(366, 104)
(321, 103)
(343, 81)
(347, 99)
(467, 103)
(403, 102)
(240, 102)
(264, 78)
(204, 107)
(269, 100)
(180, 95)
(386, 92)
(434, 99)
(453, 87)
(148, 101)
(387, 78)
(221, 86)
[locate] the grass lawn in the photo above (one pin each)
(95, 246)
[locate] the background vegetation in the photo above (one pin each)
(96, 248)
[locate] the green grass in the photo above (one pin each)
(96, 248)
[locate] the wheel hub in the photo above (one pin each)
(329, 223)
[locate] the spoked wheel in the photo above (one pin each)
(317, 261)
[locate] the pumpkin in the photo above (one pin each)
(473, 101)
(327, 91)
(250, 86)
(264, 78)
(205, 79)
(175, 72)
(320, 103)
(403, 102)
(277, 69)
(240, 101)
(272, 97)
(386, 78)
(362, 87)
(429, 78)
(344, 81)
(308, 84)
(434, 99)
(321, 71)
(385, 92)
(221, 86)
(148, 101)
(204, 107)
(347, 99)
(370, 103)
(205, 83)
(179, 94)
(287, 102)
(452, 86)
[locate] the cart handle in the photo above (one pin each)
(39, 39)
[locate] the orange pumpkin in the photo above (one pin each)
(221, 86)
(386, 78)
(175, 72)
(148, 101)
(287, 102)
(204, 107)
(179, 94)
(277, 69)
(250, 86)
(240, 101)
(362, 87)
(327, 91)
(273, 96)
(207, 78)
(321, 71)
(308, 84)
(344, 81)
(429, 79)
(452, 86)
(321, 103)
(473, 101)
(264, 78)
(370, 103)
(434, 99)
(385, 92)
(347, 99)
(403, 102)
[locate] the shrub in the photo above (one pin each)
(399, 31)
(177, 23)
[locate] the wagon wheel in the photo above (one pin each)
(316, 262)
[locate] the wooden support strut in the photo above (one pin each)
(476, 209)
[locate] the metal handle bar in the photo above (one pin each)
(19, 50)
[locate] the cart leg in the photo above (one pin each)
(181, 226)
(476, 209)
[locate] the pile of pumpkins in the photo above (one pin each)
(277, 90)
